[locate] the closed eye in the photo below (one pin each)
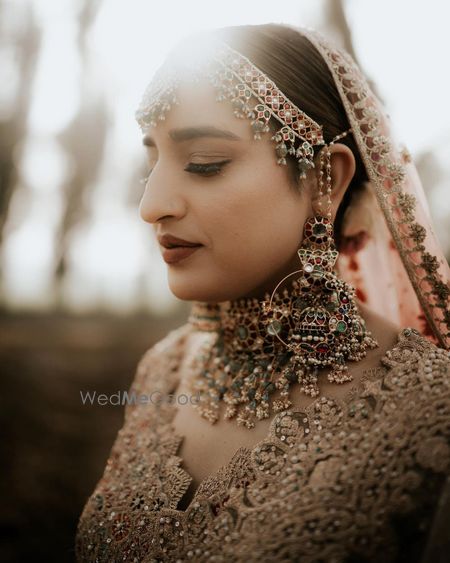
(210, 169)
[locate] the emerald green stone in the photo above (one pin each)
(242, 332)
(341, 326)
(235, 367)
(249, 366)
(319, 229)
(291, 376)
(274, 328)
(283, 358)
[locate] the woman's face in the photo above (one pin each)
(211, 183)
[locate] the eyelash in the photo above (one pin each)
(211, 169)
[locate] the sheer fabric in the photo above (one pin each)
(402, 272)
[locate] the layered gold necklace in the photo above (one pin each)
(256, 350)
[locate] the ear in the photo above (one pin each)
(343, 168)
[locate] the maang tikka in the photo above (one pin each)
(263, 347)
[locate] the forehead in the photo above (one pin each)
(197, 105)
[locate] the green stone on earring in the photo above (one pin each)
(274, 328)
(242, 332)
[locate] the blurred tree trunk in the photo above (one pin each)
(336, 22)
(83, 140)
(336, 19)
(25, 42)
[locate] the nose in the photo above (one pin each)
(162, 198)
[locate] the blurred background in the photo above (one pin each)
(83, 289)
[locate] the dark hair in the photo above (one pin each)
(298, 69)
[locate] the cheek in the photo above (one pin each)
(258, 220)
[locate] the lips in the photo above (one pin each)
(178, 253)
(168, 241)
(175, 248)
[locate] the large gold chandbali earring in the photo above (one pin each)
(322, 324)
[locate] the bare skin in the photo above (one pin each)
(249, 218)
(248, 215)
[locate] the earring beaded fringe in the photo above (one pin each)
(262, 348)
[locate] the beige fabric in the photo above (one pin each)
(357, 479)
(402, 273)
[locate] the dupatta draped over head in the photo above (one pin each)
(401, 271)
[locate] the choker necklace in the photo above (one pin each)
(247, 359)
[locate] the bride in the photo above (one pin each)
(302, 412)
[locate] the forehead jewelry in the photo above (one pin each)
(265, 347)
(252, 95)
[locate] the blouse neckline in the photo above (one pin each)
(367, 384)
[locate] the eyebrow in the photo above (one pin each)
(190, 133)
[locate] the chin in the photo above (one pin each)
(198, 288)
(187, 292)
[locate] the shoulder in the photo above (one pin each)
(416, 405)
(417, 396)
(413, 349)
(416, 364)
(161, 360)
(402, 348)
(171, 343)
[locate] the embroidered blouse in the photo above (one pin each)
(357, 479)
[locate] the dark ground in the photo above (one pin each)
(52, 447)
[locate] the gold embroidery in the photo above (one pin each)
(326, 483)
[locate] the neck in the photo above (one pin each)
(269, 344)
(286, 274)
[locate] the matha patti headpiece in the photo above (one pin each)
(405, 258)
(317, 321)
(314, 325)
(239, 81)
